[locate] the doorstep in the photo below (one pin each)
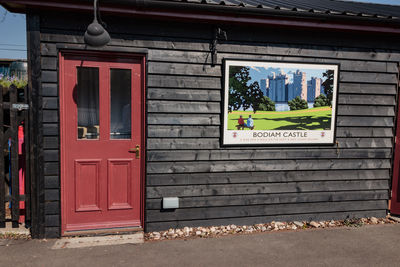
(94, 241)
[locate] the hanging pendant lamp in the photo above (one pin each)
(95, 34)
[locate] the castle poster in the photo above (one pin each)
(279, 103)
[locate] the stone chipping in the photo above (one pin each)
(217, 231)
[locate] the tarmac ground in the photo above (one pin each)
(372, 245)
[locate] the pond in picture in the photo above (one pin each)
(270, 97)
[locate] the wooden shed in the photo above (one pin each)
(134, 134)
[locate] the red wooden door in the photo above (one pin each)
(395, 200)
(101, 141)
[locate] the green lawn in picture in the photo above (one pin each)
(306, 119)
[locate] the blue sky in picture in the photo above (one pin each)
(258, 73)
(13, 31)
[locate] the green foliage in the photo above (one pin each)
(321, 101)
(16, 82)
(254, 96)
(238, 79)
(241, 93)
(298, 104)
(266, 104)
(328, 85)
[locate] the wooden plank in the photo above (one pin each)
(353, 99)
(171, 143)
(183, 69)
(269, 188)
(370, 89)
(35, 118)
(364, 142)
(52, 208)
(260, 210)
(364, 121)
(310, 51)
(266, 165)
(51, 168)
(49, 76)
(263, 199)
(50, 116)
(323, 216)
(364, 132)
(52, 182)
(264, 177)
(256, 154)
(50, 129)
(48, 49)
(274, 46)
(183, 94)
(51, 155)
(49, 63)
(157, 106)
(49, 89)
(50, 142)
(179, 55)
(362, 77)
(183, 82)
(2, 163)
(183, 119)
(50, 103)
(159, 131)
(52, 220)
(354, 110)
(212, 143)
(14, 174)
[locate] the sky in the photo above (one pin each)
(13, 35)
(14, 28)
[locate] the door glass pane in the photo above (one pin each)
(87, 99)
(120, 120)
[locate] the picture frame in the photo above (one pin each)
(269, 103)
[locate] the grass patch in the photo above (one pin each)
(307, 119)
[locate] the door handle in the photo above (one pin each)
(136, 150)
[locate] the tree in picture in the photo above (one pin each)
(242, 93)
(253, 97)
(298, 104)
(328, 85)
(266, 104)
(238, 78)
(321, 101)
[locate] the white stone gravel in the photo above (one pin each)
(215, 231)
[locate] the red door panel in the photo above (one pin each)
(101, 117)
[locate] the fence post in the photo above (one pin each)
(2, 173)
(14, 159)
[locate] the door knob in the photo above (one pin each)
(136, 150)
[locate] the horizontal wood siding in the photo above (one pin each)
(240, 185)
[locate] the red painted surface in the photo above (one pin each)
(395, 200)
(21, 174)
(101, 181)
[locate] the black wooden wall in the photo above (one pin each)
(239, 185)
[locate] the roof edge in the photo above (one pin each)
(210, 13)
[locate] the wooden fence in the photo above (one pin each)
(14, 162)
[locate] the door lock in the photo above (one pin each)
(136, 151)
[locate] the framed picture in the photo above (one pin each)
(279, 103)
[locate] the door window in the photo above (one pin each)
(87, 98)
(120, 92)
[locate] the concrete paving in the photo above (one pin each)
(375, 245)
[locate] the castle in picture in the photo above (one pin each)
(281, 89)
